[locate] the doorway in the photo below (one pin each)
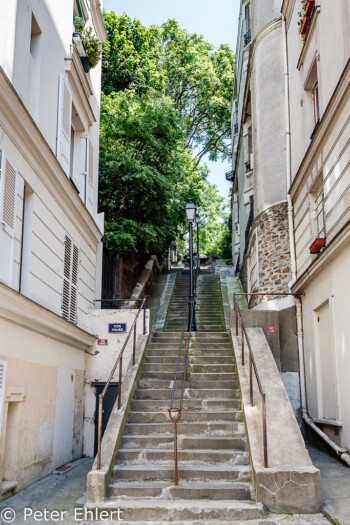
(108, 404)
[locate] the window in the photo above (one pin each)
(70, 281)
(26, 245)
(316, 104)
(312, 101)
(247, 34)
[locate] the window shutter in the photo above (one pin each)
(64, 125)
(8, 185)
(70, 281)
(3, 365)
(91, 175)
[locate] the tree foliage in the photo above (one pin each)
(165, 105)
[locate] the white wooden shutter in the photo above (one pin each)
(3, 365)
(8, 200)
(90, 193)
(70, 281)
(64, 124)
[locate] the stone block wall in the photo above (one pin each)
(271, 227)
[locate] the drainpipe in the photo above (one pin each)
(341, 452)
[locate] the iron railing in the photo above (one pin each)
(119, 362)
(247, 37)
(252, 366)
(175, 413)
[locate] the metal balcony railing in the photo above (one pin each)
(247, 166)
(247, 37)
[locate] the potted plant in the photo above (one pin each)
(92, 46)
(88, 47)
(317, 245)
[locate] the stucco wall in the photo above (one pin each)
(98, 367)
(44, 391)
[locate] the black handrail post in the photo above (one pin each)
(198, 258)
(144, 318)
(236, 312)
(191, 316)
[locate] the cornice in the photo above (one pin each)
(19, 310)
(331, 251)
(98, 21)
(25, 134)
(340, 94)
(80, 84)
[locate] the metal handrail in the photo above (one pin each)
(119, 362)
(252, 365)
(175, 413)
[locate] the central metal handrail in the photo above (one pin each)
(119, 362)
(175, 413)
(252, 366)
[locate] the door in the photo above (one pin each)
(108, 404)
(327, 384)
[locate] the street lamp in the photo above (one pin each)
(198, 258)
(191, 214)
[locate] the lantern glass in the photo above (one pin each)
(190, 211)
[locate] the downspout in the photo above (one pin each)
(341, 452)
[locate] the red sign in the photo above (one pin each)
(271, 329)
(102, 342)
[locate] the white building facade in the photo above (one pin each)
(50, 233)
(319, 101)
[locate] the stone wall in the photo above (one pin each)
(271, 227)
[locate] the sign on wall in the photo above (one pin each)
(102, 342)
(271, 329)
(116, 328)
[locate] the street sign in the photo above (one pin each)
(102, 342)
(116, 328)
(271, 329)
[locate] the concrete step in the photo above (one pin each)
(192, 366)
(154, 455)
(187, 415)
(194, 360)
(139, 405)
(191, 384)
(190, 393)
(208, 428)
(163, 490)
(200, 442)
(151, 472)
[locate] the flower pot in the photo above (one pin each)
(304, 25)
(309, 7)
(318, 243)
(86, 64)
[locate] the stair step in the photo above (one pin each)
(150, 472)
(151, 455)
(192, 384)
(200, 442)
(188, 404)
(190, 393)
(209, 428)
(187, 416)
(163, 490)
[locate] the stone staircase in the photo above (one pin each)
(209, 306)
(214, 472)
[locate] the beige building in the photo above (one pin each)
(50, 233)
(318, 43)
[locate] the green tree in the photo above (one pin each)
(146, 172)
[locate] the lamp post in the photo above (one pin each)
(198, 258)
(191, 214)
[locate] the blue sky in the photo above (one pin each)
(216, 20)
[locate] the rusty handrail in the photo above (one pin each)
(175, 413)
(119, 362)
(252, 366)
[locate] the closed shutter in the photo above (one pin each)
(64, 124)
(91, 176)
(70, 281)
(8, 200)
(3, 365)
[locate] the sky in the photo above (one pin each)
(216, 20)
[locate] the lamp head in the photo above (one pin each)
(197, 218)
(190, 211)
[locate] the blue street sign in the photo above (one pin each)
(116, 328)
